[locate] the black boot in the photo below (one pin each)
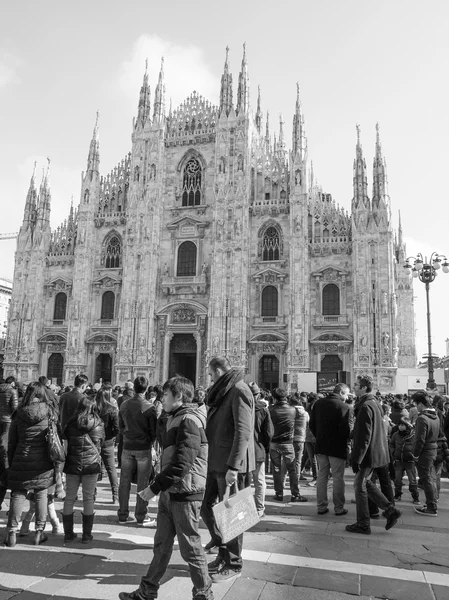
(11, 539)
(40, 537)
(88, 521)
(67, 523)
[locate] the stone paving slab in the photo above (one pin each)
(329, 580)
(395, 590)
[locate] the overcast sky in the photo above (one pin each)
(356, 62)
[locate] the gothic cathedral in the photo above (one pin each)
(211, 237)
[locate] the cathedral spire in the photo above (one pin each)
(299, 139)
(31, 200)
(159, 97)
(267, 131)
(144, 107)
(281, 148)
(44, 198)
(360, 181)
(226, 102)
(258, 117)
(243, 89)
(93, 160)
(379, 173)
(400, 238)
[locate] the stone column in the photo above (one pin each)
(199, 353)
(167, 339)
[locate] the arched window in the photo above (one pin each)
(186, 260)
(271, 244)
(269, 301)
(60, 307)
(107, 305)
(113, 253)
(192, 183)
(331, 299)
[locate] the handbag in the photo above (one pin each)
(235, 514)
(56, 450)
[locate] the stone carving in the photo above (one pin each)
(363, 340)
(204, 269)
(238, 227)
(384, 303)
(297, 343)
(394, 304)
(220, 229)
(363, 303)
(184, 315)
(215, 343)
(385, 340)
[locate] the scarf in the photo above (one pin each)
(222, 386)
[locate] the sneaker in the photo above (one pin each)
(136, 595)
(393, 515)
(215, 565)
(398, 497)
(302, 478)
(211, 548)
(426, 512)
(147, 522)
(342, 512)
(127, 520)
(261, 514)
(323, 512)
(278, 498)
(312, 483)
(299, 498)
(356, 528)
(416, 501)
(225, 574)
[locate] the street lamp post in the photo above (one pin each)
(426, 271)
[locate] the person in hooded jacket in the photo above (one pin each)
(401, 448)
(180, 486)
(109, 415)
(427, 430)
(263, 432)
(84, 433)
(30, 466)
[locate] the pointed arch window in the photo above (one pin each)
(107, 306)
(60, 307)
(331, 299)
(113, 253)
(192, 183)
(186, 260)
(269, 301)
(271, 244)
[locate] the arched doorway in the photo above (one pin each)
(269, 372)
(331, 363)
(182, 359)
(103, 368)
(55, 367)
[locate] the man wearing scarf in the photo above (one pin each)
(230, 434)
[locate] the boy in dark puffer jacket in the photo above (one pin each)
(181, 485)
(401, 448)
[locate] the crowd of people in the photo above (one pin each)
(187, 447)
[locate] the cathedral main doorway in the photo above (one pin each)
(182, 358)
(269, 372)
(55, 367)
(103, 368)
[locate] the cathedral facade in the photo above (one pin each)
(211, 237)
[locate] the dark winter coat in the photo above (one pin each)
(84, 441)
(370, 446)
(263, 430)
(283, 416)
(401, 445)
(68, 404)
(330, 424)
(184, 455)
(230, 424)
(30, 465)
(9, 401)
(137, 422)
(427, 431)
(442, 449)
(109, 416)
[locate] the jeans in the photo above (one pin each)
(427, 476)
(231, 552)
(108, 458)
(283, 453)
(260, 485)
(4, 433)
(88, 484)
(132, 460)
(178, 519)
(326, 464)
(381, 474)
(309, 452)
(438, 470)
(298, 447)
(364, 488)
(410, 469)
(16, 506)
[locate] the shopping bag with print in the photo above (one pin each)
(235, 514)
